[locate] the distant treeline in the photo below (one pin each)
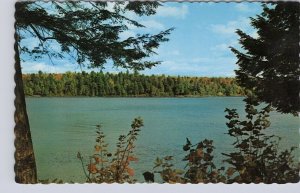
(126, 84)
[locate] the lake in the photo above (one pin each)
(61, 127)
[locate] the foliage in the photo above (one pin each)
(269, 64)
(167, 172)
(126, 84)
(256, 157)
(105, 167)
(89, 32)
(201, 168)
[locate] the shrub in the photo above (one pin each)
(105, 167)
(255, 158)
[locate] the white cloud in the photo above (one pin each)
(230, 27)
(37, 66)
(179, 66)
(200, 66)
(152, 24)
(171, 67)
(33, 67)
(242, 7)
(169, 11)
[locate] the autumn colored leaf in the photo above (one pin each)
(92, 168)
(130, 171)
(131, 158)
(130, 146)
(199, 152)
(97, 159)
(230, 171)
(97, 148)
(191, 158)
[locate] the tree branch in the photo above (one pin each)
(39, 35)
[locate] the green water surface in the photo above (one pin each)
(63, 126)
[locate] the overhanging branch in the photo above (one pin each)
(39, 35)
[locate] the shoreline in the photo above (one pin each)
(207, 96)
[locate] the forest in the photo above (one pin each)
(126, 84)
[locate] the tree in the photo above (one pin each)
(88, 32)
(269, 64)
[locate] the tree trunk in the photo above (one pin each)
(25, 167)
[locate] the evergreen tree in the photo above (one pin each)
(269, 64)
(88, 32)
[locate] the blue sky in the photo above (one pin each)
(198, 46)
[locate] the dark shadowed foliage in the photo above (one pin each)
(269, 64)
(257, 157)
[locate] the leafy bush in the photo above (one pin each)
(256, 157)
(105, 167)
(200, 166)
(167, 172)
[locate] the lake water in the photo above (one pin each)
(61, 127)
